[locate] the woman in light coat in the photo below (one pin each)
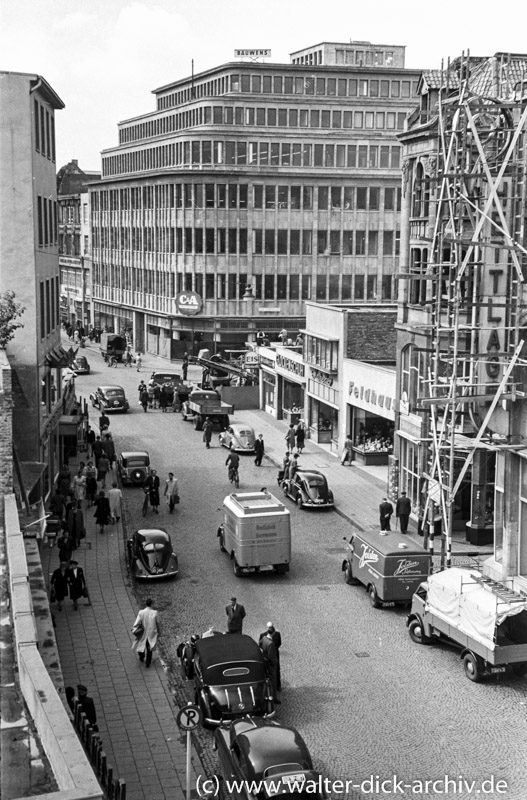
(146, 644)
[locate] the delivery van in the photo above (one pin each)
(486, 619)
(256, 532)
(112, 345)
(389, 564)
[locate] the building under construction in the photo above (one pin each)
(461, 446)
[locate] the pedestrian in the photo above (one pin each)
(268, 649)
(87, 706)
(97, 449)
(102, 511)
(150, 390)
(115, 499)
(207, 432)
(277, 640)
(293, 467)
(259, 449)
(347, 453)
(235, 616)
(300, 434)
(403, 508)
(144, 399)
(290, 438)
(76, 582)
(128, 358)
(64, 481)
(69, 691)
(104, 422)
(65, 548)
(79, 485)
(385, 512)
(151, 484)
(59, 584)
(57, 504)
(163, 399)
(91, 484)
(103, 468)
(184, 366)
(171, 491)
(141, 388)
(146, 643)
(75, 524)
(157, 395)
(90, 438)
(109, 447)
(138, 362)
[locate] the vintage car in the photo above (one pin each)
(151, 556)
(167, 380)
(309, 489)
(109, 398)
(230, 680)
(80, 365)
(133, 467)
(239, 437)
(271, 754)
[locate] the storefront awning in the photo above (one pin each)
(30, 472)
(58, 357)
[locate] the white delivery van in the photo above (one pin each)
(256, 532)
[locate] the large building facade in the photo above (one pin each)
(30, 268)
(250, 189)
(461, 439)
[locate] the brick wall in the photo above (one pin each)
(371, 336)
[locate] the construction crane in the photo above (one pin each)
(217, 370)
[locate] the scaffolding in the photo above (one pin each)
(479, 236)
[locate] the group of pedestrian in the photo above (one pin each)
(83, 702)
(296, 437)
(68, 581)
(290, 467)
(403, 509)
(153, 396)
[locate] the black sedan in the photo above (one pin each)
(109, 398)
(274, 755)
(309, 489)
(80, 365)
(230, 680)
(151, 556)
(133, 467)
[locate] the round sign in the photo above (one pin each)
(189, 717)
(189, 303)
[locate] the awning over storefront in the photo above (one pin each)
(30, 474)
(59, 357)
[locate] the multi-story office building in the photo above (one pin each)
(461, 425)
(30, 268)
(75, 243)
(255, 187)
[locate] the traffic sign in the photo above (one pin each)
(189, 717)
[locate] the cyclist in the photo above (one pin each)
(233, 460)
(112, 361)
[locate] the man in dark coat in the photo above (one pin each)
(207, 432)
(104, 422)
(77, 582)
(277, 641)
(87, 705)
(59, 584)
(403, 508)
(268, 649)
(97, 450)
(259, 449)
(235, 616)
(385, 513)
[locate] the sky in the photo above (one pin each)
(105, 57)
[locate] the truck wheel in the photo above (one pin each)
(520, 669)
(471, 667)
(415, 629)
(374, 597)
(348, 575)
(198, 422)
(236, 569)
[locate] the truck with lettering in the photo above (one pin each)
(203, 403)
(389, 564)
(256, 533)
(484, 618)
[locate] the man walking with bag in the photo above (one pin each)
(147, 622)
(171, 491)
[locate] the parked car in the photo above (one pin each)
(309, 489)
(239, 437)
(80, 365)
(229, 679)
(133, 467)
(274, 755)
(168, 380)
(151, 556)
(109, 398)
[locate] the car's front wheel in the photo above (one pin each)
(415, 629)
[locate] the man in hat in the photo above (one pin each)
(270, 655)
(403, 507)
(235, 616)
(385, 513)
(277, 641)
(77, 582)
(87, 705)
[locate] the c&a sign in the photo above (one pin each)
(188, 303)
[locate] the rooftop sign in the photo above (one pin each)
(256, 53)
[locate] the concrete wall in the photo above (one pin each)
(70, 765)
(240, 397)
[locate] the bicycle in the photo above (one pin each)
(234, 476)
(145, 503)
(112, 361)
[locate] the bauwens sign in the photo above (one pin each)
(188, 303)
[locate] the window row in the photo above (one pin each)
(278, 154)
(44, 123)
(47, 222)
(69, 244)
(49, 306)
(234, 241)
(213, 286)
(262, 117)
(310, 85)
(237, 195)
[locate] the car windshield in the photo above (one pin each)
(164, 378)
(135, 462)
(114, 393)
(150, 547)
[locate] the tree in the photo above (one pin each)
(9, 311)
